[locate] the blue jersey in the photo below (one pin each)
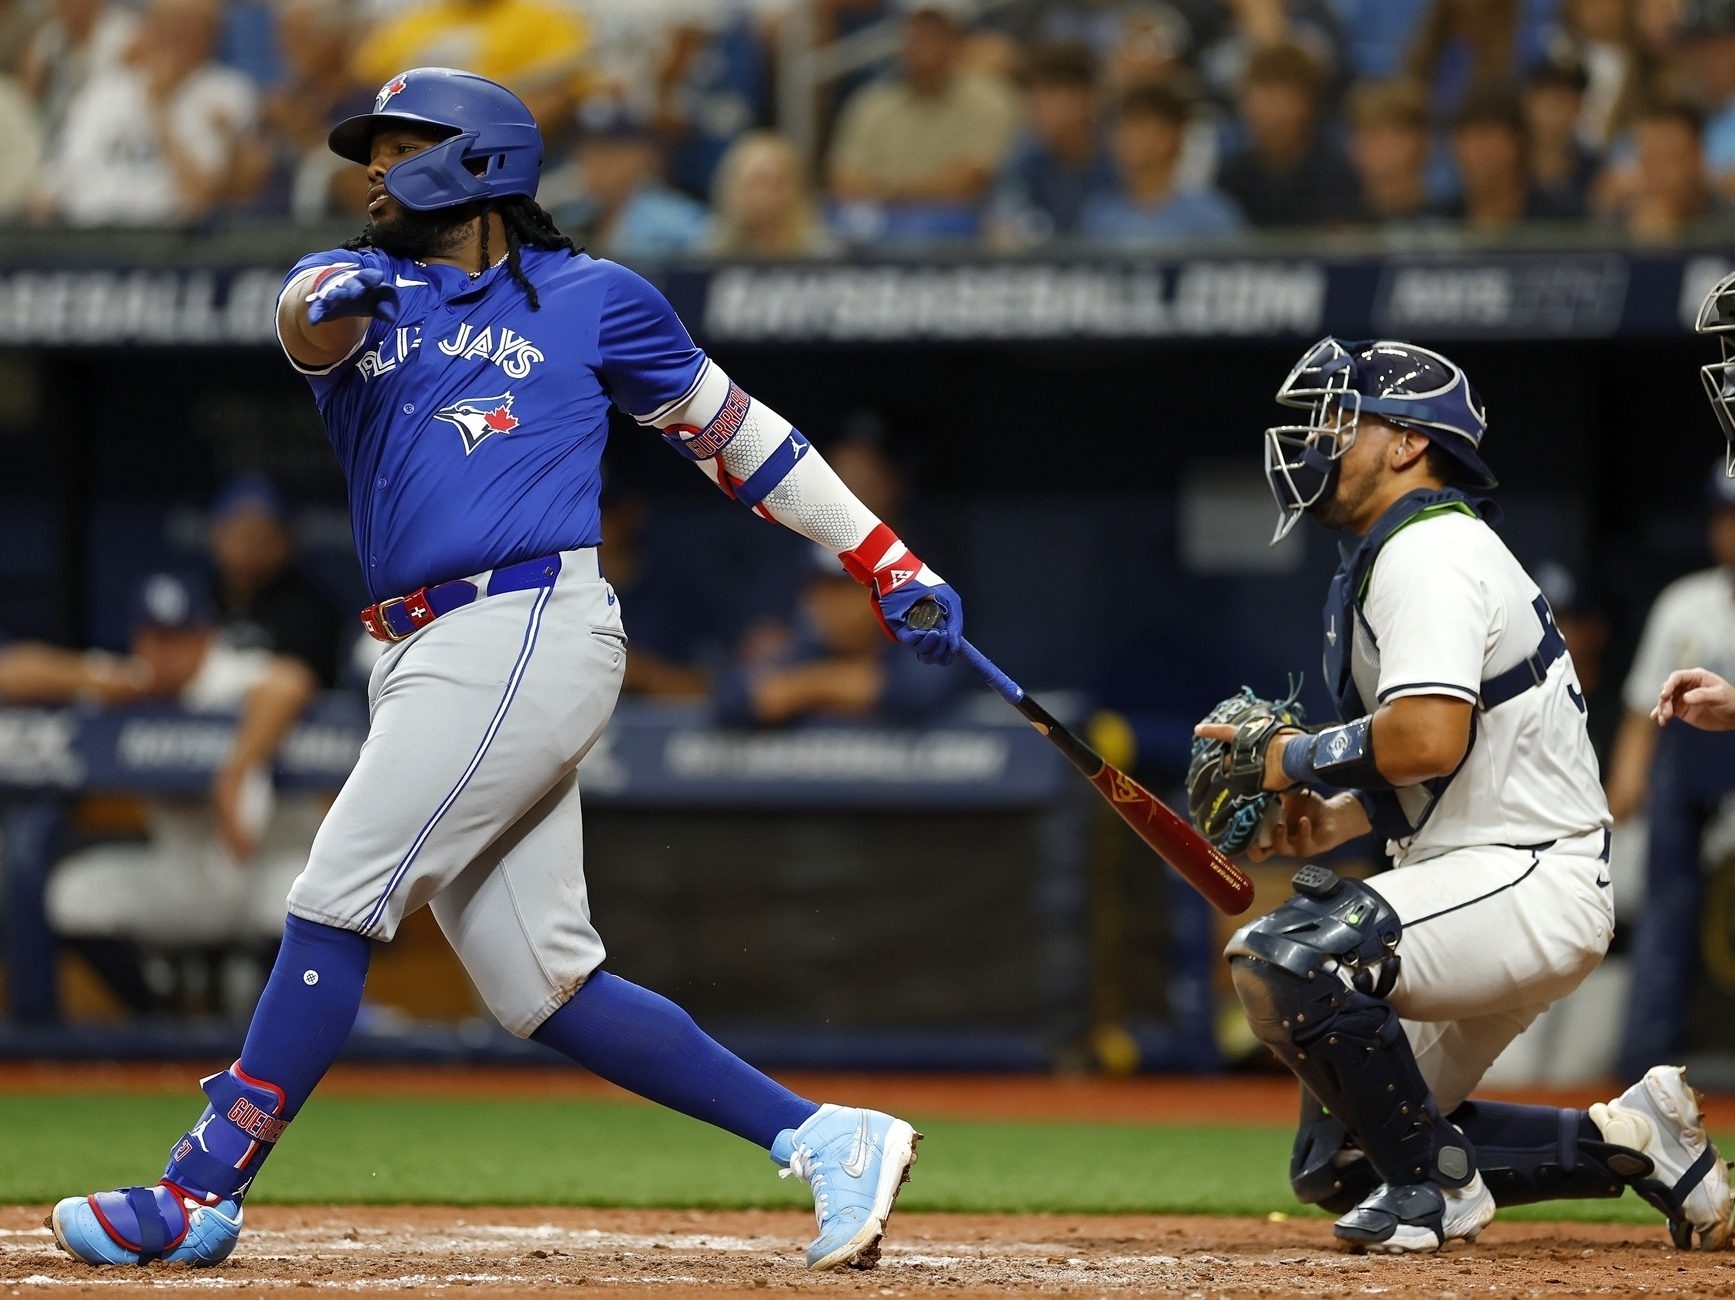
(471, 429)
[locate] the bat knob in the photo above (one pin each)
(924, 614)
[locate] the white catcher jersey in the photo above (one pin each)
(1446, 608)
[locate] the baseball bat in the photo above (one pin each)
(1200, 863)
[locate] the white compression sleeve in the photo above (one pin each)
(753, 453)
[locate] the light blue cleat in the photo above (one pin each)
(855, 1161)
(137, 1225)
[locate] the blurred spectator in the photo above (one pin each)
(1562, 170)
(709, 80)
(1462, 45)
(294, 172)
(213, 871)
(918, 153)
(1378, 34)
(1692, 623)
(1291, 173)
(1147, 46)
(1582, 616)
(19, 23)
(156, 139)
(838, 664)
(1060, 159)
(1708, 39)
(1148, 52)
(1147, 205)
(1490, 150)
(1684, 775)
(81, 40)
(1389, 147)
(627, 210)
(21, 161)
(34, 673)
(763, 207)
(263, 601)
(670, 615)
(1669, 191)
(1602, 37)
(1227, 33)
(535, 47)
(1659, 29)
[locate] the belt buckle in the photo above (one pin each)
(385, 623)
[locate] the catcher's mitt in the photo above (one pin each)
(1224, 797)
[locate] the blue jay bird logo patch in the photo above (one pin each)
(479, 418)
(392, 87)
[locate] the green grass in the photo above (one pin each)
(602, 1153)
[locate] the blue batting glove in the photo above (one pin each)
(351, 290)
(935, 641)
(900, 585)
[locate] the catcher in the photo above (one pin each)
(1462, 744)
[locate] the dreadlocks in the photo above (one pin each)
(526, 225)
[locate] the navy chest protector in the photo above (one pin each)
(1343, 610)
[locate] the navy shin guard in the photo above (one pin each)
(1539, 1153)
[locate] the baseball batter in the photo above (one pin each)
(464, 357)
(1462, 744)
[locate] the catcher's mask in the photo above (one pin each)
(1717, 317)
(1407, 386)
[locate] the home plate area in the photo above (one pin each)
(669, 1253)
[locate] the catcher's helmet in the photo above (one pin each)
(1335, 382)
(1717, 316)
(494, 148)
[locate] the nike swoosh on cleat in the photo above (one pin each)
(856, 1165)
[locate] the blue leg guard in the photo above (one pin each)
(218, 1157)
(1312, 976)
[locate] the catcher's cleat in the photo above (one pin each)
(1659, 1117)
(137, 1225)
(1419, 1217)
(855, 1161)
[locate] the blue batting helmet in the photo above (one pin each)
(493, 147)
(1404, 385)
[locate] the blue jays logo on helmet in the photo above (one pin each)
(480, 418)
(1336, 382)
(1717, 318)
(392, 87)
(488, 146)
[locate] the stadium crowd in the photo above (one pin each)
(1001, 122)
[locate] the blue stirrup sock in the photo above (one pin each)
(304, 1015)
(640, 1041)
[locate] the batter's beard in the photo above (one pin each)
(422, 236)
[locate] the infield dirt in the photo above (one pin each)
(677, 1254)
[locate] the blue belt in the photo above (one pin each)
(396, 618)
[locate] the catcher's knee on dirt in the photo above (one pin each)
(1312, 976)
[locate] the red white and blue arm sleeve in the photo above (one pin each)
(755, 455)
